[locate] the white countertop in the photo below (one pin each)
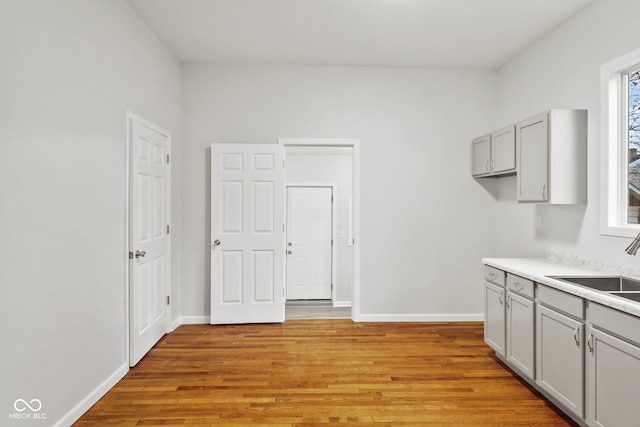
(537, 269)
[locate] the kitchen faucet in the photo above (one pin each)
(633, 247)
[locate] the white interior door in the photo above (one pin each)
(247, 233)
(149, 241)
(309, 230)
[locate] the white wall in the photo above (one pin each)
(329, 165)
(563, 71)
(425, 222)
(70, 69)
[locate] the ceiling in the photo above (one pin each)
(390, 33)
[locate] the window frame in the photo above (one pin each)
(615, 149)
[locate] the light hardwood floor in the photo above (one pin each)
(310, 372)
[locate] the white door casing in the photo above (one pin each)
(354, 208)
(309, 242)
(247, 233)
(149, 243)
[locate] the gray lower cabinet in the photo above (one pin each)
(520, 333)
(613, 369)
(494, 321)
(560, 358)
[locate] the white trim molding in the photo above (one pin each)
(92, 398)
(355, 145)
(614, 180)
(427, 318)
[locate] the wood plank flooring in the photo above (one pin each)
(312, 372)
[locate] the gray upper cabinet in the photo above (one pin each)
(503, 151)
(494, 154)
(547, 153)
(481, 156)
(552, 157)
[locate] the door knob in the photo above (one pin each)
(215, 243)
(289, 244)
(289, 252)
(140, 254)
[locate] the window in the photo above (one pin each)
(631, 82)
(621, 145)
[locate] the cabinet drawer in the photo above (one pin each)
(520, 285)
(494, 275)
(618, 323)
(567, 303)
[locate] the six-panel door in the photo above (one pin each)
(247, 233)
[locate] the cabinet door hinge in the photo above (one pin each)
(167, 159)
(168, 229)
(130, 255)
(168, 299)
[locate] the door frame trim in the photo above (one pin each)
(334, 229)
(355, 166)
(130, 118)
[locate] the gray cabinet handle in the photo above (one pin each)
(576, 336)
(590, 343)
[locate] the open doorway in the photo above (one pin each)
(322, 222)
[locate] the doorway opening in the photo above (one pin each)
(322, 259)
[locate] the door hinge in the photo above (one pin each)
(168, 299)
(167, 158)
(130, 255)
(331, 242)
(283, 163)
(168, 229)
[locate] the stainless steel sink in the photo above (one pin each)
(634, 296)
(607, 284)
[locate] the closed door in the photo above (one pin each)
(309, 242)
(560, 358)
(532, 138)
(494, 317)
(520, 333)
(149, 241)
(247, 233)
(613, 372)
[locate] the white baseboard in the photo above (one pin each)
(205, 320)
(420, 317)
(193, 320)
(177, 322)
(342, 303)
(85, 404)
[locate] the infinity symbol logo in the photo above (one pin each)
(21, 405)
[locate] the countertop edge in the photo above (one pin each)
(539, 270)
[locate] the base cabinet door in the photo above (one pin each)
(613, 381)
(494, 317)
(560, 358)
(520, 333)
